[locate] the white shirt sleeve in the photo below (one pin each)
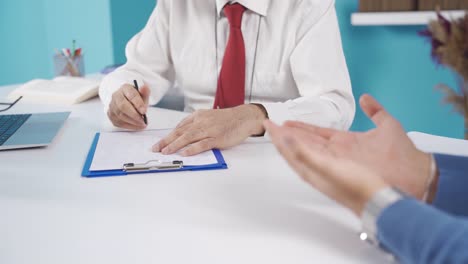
(148, 60)
(320, 72)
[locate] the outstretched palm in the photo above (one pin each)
(385, 151)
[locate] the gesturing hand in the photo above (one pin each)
(127, 106)
(208, 129)
(386, 150)
(343, 180)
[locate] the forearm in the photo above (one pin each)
(417, 233)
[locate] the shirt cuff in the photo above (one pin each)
(451, 188)
(278, 112)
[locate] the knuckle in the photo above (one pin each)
(190, 151)
(120, 115)
(116, 122)
(187, 137)
(112, 114)
(193, 134)
(178, 133)
(129, 92)
(163, 143)
(120, 103)
(207, 144)
(130, 95)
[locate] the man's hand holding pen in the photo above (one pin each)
(128, 106)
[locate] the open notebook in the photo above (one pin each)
(61, 90)
(112, 151)
(437, 144)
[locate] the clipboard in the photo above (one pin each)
(149, 167)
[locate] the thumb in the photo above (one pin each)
(374, 110)
(145, 93)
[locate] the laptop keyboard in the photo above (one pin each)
(9, 124)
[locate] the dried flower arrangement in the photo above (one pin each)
(450, 48)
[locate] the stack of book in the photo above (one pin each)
(442, 4)
(411, 5)
(387, 5)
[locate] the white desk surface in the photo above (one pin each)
(257, 211)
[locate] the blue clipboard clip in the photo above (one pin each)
(153, 165)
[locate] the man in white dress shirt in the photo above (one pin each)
(238, 63)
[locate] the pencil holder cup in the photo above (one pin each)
(69, 66)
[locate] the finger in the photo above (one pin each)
(322, 172)
(124, 106)
(319, 131)
(199, 147)
(124, 117)
(310, 139)
(127, 119)
(336, 178)
(118, 118)
(134, 97)
(289, 148)
(271, 128)
(310, 163)
(175, 134)
(145, 93)
(187, 138)
(118, 122)
(185, 121)
(374, 110)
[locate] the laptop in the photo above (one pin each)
(21, 131)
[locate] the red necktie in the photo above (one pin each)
(231, 82)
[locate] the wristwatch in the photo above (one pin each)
(374, 208)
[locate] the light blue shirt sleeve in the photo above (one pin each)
(417, 233)
(452, 194)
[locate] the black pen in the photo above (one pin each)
(145, 119)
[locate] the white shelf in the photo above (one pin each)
(400, 18)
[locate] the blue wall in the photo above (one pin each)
(128, 18)
(23, 45)
(30, 30)
(394, 65)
